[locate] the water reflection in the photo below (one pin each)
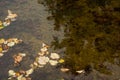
(89, 32)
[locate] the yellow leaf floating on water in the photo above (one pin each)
(61, 61)
(1, 27)
(2, 41)
(17, 74)
(0, 23)
(1, 49)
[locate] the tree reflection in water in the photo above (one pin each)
(91, 32)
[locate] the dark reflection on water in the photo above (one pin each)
(87, 42)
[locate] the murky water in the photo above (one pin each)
(33, 28)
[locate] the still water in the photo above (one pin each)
(33, 28)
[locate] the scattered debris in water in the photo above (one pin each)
(7, 21)
(11, 16)
(54, 56)
(53, 62)
(43, 57)
(21, 75)
(64, 69)
(40, 61)
(6, 44)
(61, 61)
(18, 58)
(80, 71)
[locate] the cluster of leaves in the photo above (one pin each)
(92, 32)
